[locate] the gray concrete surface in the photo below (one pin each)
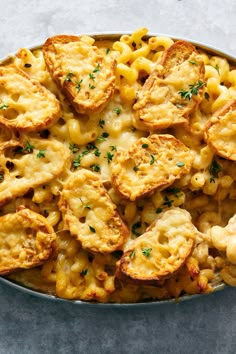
(29, 325)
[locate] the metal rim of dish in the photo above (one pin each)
(115, 36)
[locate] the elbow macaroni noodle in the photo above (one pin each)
(74, 273)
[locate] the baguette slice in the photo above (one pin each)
(161, 251)
(26, 240)
(22, 170)
(25, 104)
(81, 71)
(90, 215)
(221, 131)
(160, 103)
(149, 164)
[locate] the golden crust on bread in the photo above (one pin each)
(82, 72)
(90, 215)
(26, 240)
(27, 105)
(161, 251)
(221, 131)
(160, 103)
(23, 168)
(150, 163)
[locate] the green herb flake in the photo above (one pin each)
(132, 254)
(193, 62)
(103, 136)
(101, 123)
(95, 168)
(134, 228)
(107, 50)
(91, 76)
(168, 202)
(84, 272)
(145, 146)
(29, 148)
(76, 162)
(152, 159)
(147, 252)
(74, 148)
(68, 77)
(159, 210)
(109, 156)
(97, 69)
(1, 177)
(92, 87)
(214, 170)
(193, 90)
(41, 153)
(180, 164)
(97, 152)
(78, 86)
(135, 168)
(217, 68)
(91, 146)
(117, 110)
(113, 148)
(207, 96)
(4, 106)
(92, 229)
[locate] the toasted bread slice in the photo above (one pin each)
(28, 165)
(150, 163)
(25, 104)
(26, 240)
(90, 215)
(161, 251)
(221, 131)
(160, 103)
(82, 72)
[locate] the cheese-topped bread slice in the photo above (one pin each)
(82, 71)
(173, 90)
(150, 163)
(25, 104)
(26, 240)
(90, 215)
(221, 131)
(161, 250)
(30, 164)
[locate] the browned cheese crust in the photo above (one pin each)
(27, 105)
(161, 251)
(159, 103)
(81, 71)
(22, 169)
(221, 131)
(90, 215)
(26, 240)
(149, 164)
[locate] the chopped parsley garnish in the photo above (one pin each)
(180, 164)
(217, 68)
(152, 159)
(193, 62)
(84, 272)
(113, 148)
(134, 228)
(132, 254)
(135, 168)
(145, 146)
(1, 177)
(92, 87)
(85, 152)
(91, 76)
(91, 146)
(103, 137)
(97, 69)
(109, 156)
(85, 206)
(76, 162)
(117, 110)
(108, 50)
(95, 168)
(173, 190)
(74, 148)
(146, 252)
(68, 77)
(97, 152)
(168, 202)
(92, 229)
(29, 148)
(214, 170)
(78, 87)
(41, 153)
(101, 123)
(4, 106)
(27, 65)
(159, 210)
(193, 90)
